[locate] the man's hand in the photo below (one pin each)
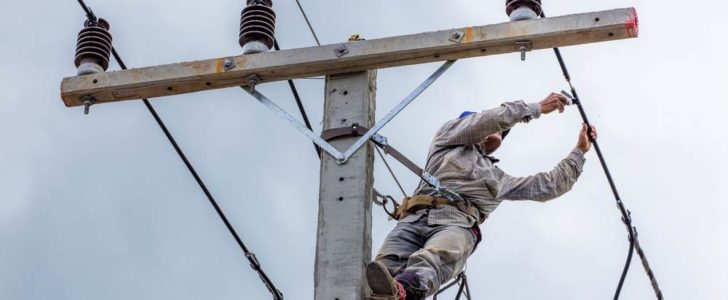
(584, 143)
(553, 102)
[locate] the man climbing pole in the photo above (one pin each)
(435, 235)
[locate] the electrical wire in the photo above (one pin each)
(248, 254)
(309, 23)
(299, 103)
(303, 112)
(626, 218)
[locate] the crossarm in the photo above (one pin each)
(188, 77)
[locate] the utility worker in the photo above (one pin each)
(434, 235)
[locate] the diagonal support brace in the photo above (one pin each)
(342, 158)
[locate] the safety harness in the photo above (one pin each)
(409, 204)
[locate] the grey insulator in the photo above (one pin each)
(523, 13)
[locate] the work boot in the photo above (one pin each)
(382, 284)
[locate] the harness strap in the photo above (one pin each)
(357, 130)
(415, 203)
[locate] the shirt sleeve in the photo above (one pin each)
(547, 185)
(476, 127)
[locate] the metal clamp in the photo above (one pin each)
(341, 50)
(435, 183)
(382, 140)
(457, 36)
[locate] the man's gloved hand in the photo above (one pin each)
(553, 102)
(584, 143)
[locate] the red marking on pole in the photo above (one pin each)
(633, 25)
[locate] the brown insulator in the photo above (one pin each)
(94, 45)
(533, 5)
(257, 24)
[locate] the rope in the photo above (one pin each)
(626, 218)
(391, 172)
(309, 23)
(248, 254)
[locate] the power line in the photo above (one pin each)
(248, 254)
(626, 217)
(299, 103)
(307, 22)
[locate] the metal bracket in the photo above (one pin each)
(342, 158)
(229, 64)
(457, 36)
(435, 183)
(380, 139)
(524, 46)
(341, 50)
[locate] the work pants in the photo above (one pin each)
(434, 253)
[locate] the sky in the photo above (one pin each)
(101, 207)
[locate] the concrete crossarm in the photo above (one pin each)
(188, 77)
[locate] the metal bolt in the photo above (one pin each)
(523, 49)
(229, 64)
(87, 102)
(456, 35)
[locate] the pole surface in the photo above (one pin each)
(344, 243)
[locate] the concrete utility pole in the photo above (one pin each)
(344, 242)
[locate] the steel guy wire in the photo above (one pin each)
(626, 218)
(254, 263)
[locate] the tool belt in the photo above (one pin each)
(412, 204)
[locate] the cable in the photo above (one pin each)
(249, 255)
(309, 23)
(626, 218)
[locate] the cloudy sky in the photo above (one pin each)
(100, 206)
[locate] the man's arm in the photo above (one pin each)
(549, 185)
(546, 185)
(474, 128)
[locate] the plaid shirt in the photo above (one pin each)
(455, 159)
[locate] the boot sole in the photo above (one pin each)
(379, 279)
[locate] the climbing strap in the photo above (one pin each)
(381, 142)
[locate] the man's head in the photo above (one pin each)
(491, 142)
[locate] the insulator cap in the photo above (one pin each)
(94, 44)
(534, 5)
(268, 3)
(257, 23)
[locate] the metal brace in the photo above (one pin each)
(524, 46)
(342, 158)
